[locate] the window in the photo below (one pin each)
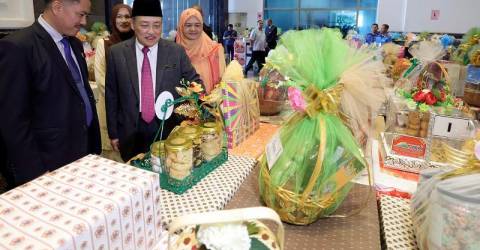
(281, 4)
(303, 14)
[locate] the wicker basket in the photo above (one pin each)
(289, 205)
(271, 100)
(457, 158)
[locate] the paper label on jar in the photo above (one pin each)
(273, 150)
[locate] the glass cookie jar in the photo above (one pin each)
(193, 133)
(179, 157)
(157, 158)
(211, 140)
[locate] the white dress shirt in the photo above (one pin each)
(152, 57)
(57, 38)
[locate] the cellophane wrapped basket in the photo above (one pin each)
(339, 85)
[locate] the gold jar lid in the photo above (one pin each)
(210, 127)
(178, 143)
(190, 132)
(158, 148)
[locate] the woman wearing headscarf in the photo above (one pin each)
(207, 56)
(121, 30)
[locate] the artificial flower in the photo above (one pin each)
(195, 87)
(421, 95)
(296, 99)
(430, 99)
(231, 236)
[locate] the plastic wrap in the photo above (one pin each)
(320, 154)
(445, 209)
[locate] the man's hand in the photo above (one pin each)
(115, 144)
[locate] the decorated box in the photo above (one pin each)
(421, 139)
(92, 203)
(241, 111)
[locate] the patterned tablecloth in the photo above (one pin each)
(254, 146)
(397, 224)
(210, 194)
(92, 203)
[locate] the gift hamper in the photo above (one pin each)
(306, 171)
(193, 149)
(227, 230)
(424, 121)
(468, 54)
(272, 93)
(445, 208)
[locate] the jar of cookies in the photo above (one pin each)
(211, 145)
(179, 157)
(193, 133)
(418, 123)
(157, 156)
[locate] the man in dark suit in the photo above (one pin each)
(46, 104)
(138, 70)
(271, 35)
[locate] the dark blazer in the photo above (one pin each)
(271, 36)
(43, 123)
(122, 88)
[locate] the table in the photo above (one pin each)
(212, 193)
(254, 145)
(361, 231)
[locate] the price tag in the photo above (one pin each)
(274, 149)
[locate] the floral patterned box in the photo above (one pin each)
(92, 203)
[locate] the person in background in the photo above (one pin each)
(372, 36)
(385, 36)
(121, 21)
(138, 70)
(207, 56)
(258, 41)
(272, 36)
(46, 103)
(229, 37)
(207, 29)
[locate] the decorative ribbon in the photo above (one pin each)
(327, 101)
(415, 62)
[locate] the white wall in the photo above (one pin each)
(16, 13)
(456, 16)
(251, 7)
(392, 12)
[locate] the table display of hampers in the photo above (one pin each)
(426, 126)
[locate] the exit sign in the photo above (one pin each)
(435, 15)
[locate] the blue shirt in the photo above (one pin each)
(227, 34)
(371, 37)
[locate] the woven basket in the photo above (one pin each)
(457, 158)
(289, 205)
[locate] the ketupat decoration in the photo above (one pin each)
(240, 106)
(319, 154)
